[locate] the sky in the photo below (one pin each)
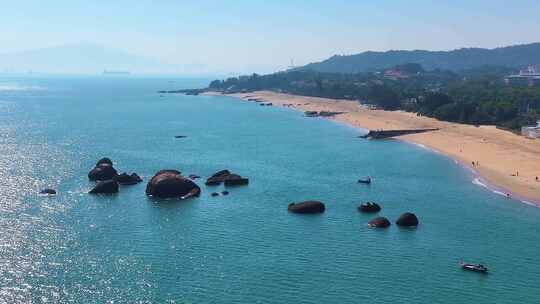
(263, 36)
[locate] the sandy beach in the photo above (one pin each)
(505, 160)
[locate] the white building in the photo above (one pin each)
(531, 132)
(529, 76)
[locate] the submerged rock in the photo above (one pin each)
(214, 194)
(48, 191)
(128, 179)
(379, 222)
(225, 192)
(369, 207)
(103, 171)
(105, 187)
(169, 184)
(307, 207)
(407, 219)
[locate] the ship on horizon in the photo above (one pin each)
(105, 72)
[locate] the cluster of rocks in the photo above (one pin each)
(407, 219)
(227, 178)
(167, 183)
(268, 104)
(108, 179)
(225, 192)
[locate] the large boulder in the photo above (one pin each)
(307, 207)
(217, 178)
(369, 207)
(169, 184)
(379, 222)
(105, 187)
(102, 172)
(128, 179)
(407, 219)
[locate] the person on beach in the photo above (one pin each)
(473, 163)
(537, 179)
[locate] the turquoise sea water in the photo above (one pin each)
(246, 247)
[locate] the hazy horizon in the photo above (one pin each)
(216, 37)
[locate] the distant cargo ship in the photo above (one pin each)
(105, 72)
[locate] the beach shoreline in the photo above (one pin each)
(505, 163)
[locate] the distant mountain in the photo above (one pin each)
(74, 58)
(512, 56)
(88, 58)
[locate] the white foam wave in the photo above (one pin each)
(529, 203)
(477, 181)
(13, 87)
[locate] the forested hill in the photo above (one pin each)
(512, 56)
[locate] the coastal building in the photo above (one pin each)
(529, 76)
(531, 132)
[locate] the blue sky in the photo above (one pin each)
(265, 35)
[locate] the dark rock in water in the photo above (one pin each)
(180, 136)
(214, 194)
(369, 207)
(307, 207)
(407, 219)
(102, 172)
(48, 191)
(105, 187)
(169, 184)
(235, 180)
(105, 160)
(193, 176)
(379, 222)
(225, 192)
(126, 179)
(217, 178)
(227, 177)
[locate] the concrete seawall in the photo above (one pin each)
(382, 134)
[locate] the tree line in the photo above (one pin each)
(473, 96)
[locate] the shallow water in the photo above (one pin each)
(245, 247)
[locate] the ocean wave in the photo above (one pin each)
(529, 203)
(425, 147)
(9, 87)
(477, 181)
